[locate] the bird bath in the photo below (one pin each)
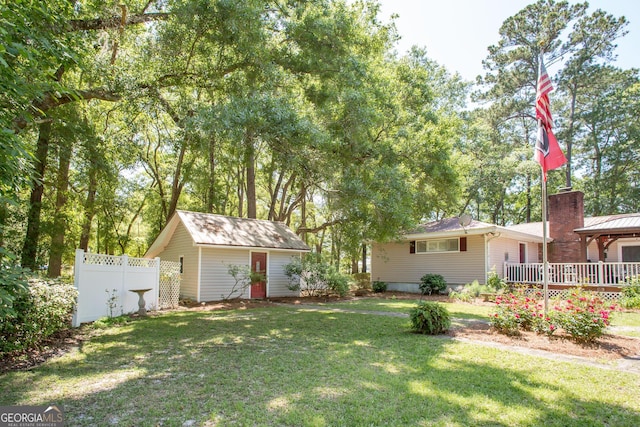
(141, 303)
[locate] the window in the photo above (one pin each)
(437, 245)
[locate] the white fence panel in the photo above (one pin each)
(99, 277)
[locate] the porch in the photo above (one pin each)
(607, 277)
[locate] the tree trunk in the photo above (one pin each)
(211, 193)
(176, 185)
(3, 220)
(30, 247)
(250, 164)
(528, 212)
(59, 219)
(364, 258)
(89, 208)
(90, 202)
(354, 265)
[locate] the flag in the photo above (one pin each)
(547, 151)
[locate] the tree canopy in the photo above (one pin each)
(114, 115)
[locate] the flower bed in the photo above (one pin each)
(580, 313)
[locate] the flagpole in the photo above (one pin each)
(545, 265)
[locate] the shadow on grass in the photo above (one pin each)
(283, 366)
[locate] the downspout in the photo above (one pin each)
(486, 252)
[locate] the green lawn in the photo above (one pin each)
(287, 366)
(457, 309)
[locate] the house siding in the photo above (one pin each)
(278, 281)
(392, 263)
(215, 281)
(503, 250)
(614, 253)
(182, 245)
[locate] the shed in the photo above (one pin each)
(206, 245)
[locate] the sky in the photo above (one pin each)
(456, 33)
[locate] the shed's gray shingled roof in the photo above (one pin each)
(220, 230)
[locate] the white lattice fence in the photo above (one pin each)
(554, 293)
(169, 284)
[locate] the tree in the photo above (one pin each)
(512, 65)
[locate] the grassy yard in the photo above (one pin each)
(468, 311)
(457, 309)
(287, 366)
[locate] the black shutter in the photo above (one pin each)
(412, 247)
(463, 244)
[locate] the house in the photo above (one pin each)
(206, 245)
(463, 253)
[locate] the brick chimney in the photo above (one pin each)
(566, 213)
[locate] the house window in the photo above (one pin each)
(437, 245)
(630, 253)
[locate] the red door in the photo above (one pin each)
(259, 265)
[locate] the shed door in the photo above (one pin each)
(259, 265)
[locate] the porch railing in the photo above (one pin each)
(587, 273)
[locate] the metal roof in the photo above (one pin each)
(614, 224)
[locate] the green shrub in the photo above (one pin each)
(315, 277)
(494, 282)
(363, 280)
(43, 310)
(337, 282)
(430, 283)
(461, 296)
(630, 293)
(13, 285)
(469, 292)
(430, 317)
(379, 286)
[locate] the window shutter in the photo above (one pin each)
(412, 247)
(463, 244)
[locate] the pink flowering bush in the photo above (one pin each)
(580, 313)
(514, 312)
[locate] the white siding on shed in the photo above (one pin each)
(182, 246)
(278, 281)
(392, 263)
(215, 281)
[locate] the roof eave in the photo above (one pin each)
(252, 248)
(452, 233)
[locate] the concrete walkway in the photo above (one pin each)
(630, 364)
